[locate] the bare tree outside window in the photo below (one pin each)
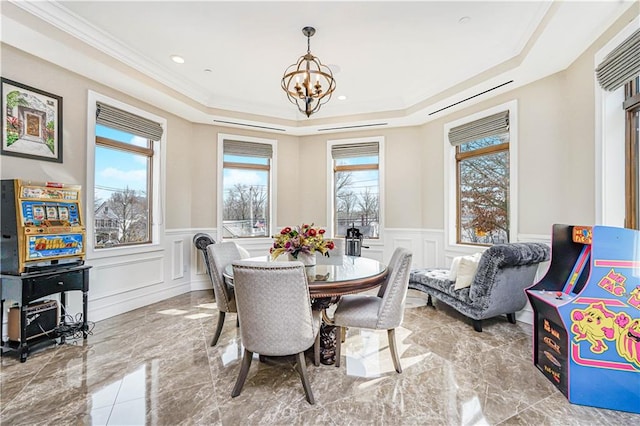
(245, 201)
(483, 191)
(356, 182)
(122, 205)
(131, 208)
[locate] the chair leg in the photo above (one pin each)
(316, 350)
(477, 325)
(430, 301)
(338, 346)
(511, 318)
(394, 350)
(301, 366)
(218, 329)
(242, 375)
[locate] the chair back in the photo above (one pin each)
(274, 307)
(220, 255)
(201, 241)
(394, 291)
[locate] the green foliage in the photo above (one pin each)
(15, 98)
(11, 138)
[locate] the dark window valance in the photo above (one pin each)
(116, 118)
(621, 65)
(492, 125)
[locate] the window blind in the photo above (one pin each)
(116, 118)
(367, 149)
(621, 65)
(492, 125)
(247, 149)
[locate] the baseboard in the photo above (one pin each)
(525, 316)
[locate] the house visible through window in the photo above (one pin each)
(246, 192)
(123, 181)
(356, 184)
(482, 180)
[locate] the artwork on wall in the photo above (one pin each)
(31, 122)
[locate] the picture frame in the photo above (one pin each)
(31, 122)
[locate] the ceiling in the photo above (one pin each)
(397, 63)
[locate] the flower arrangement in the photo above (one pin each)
(300, 239)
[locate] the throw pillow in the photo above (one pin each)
(453, 270)
(466, 271)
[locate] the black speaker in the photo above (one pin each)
(42, 319)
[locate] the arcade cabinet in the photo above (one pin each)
(587, 316)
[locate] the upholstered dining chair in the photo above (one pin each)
(219, 256)
(383, 311)
(201, 241)
(274, 308)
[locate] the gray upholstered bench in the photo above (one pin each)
(497, 288)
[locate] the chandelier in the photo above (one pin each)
(308, 83)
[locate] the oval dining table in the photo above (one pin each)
(330, 279)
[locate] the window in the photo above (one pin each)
(632, 142)
(126, 160)
(246, 184)
(617, 137)
(480, 179)
(356, 187)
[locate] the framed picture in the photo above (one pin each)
(31, 122)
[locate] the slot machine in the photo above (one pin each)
(42, 249)
(42, 226)
(587, 316)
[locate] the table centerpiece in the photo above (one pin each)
(301, 243)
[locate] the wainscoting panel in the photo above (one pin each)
(177, 260)
(126, 275)
(430, 253)
(121, 283)
(425, 244)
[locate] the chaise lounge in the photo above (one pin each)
(495, 288)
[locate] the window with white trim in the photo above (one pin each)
(125, 175)
(246, 187)
(356, 186)
(480, 178)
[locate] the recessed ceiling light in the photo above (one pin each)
(342, 98)
(177, 59)
(208, 70)
(464, 20)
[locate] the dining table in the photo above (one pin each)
(329, 279)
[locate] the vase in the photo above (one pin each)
(308, 259)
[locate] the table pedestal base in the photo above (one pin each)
(327, 330)
(327, 344)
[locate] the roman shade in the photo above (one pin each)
(492, 125)
(247, 149)
(621, 65)
(367, 149)
(116, 118)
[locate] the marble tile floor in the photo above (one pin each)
(154, 366)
